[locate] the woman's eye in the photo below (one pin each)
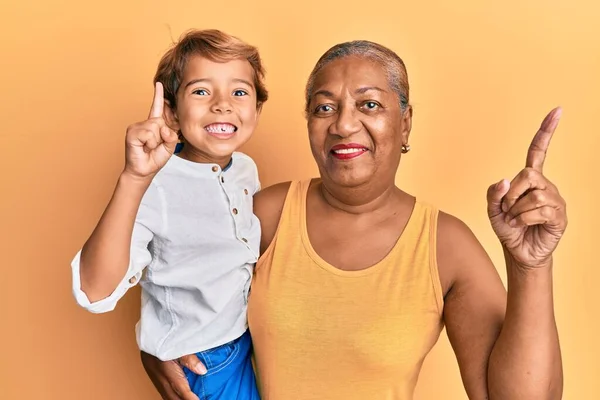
(240, 93)
(371, 105)
(200, 92)
(324, 108)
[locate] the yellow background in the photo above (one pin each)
(74, 74)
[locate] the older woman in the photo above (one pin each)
(357, 277)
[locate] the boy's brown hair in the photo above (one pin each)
(214, 45)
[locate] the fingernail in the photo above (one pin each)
(500, 185)
(512, 223)
(555, 120)
(558, 113)
(200, 369)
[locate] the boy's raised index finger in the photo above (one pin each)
(156, 111)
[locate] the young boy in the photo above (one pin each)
(186, 220)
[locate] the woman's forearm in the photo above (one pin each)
(525, 362)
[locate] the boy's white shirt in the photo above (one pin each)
(193, 250)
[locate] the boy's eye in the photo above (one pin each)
(240, 92)
(200, 92)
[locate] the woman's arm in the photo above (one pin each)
(526, 360)
(518, 356)
(503, 352)
(167, 376)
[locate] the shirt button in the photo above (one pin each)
(235, 211)
(215, 168)
(132, 280)
(245, 191)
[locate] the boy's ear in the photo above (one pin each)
(170, 116)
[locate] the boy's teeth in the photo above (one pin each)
(220, 128)
(347, 151)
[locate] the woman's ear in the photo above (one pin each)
(406, 122)
(170, 115)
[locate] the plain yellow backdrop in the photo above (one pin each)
(483, 74)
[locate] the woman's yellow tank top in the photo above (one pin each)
(321, 333)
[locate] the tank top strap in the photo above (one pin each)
(294, 208)
(420, 239)
(290, 222)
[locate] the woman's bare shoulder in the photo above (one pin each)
(268, 206)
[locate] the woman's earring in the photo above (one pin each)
(405, 148)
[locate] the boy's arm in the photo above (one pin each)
(112, 259)
(102, 271)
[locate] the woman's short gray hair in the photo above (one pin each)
(390, 61)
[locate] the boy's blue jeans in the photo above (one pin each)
(230, 374)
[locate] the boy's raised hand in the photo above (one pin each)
(150, 143)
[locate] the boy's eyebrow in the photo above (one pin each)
(243, 81)
(194, 81)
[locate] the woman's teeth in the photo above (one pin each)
(348, 151)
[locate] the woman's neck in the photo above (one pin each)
(363, 199)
